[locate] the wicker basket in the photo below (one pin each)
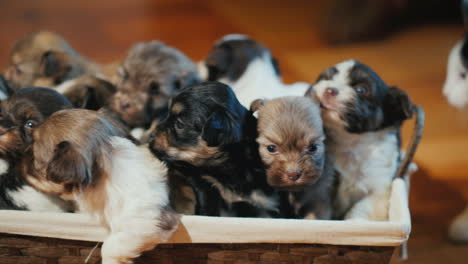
(51, 238)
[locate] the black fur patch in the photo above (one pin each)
(231, 58)
(381, 107)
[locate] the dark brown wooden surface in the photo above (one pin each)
(414, 59)
(32, 250)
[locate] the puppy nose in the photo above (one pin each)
(294, 175)
(331, 91)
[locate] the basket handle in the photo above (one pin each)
(413, 145)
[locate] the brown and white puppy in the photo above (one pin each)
(150, 74)
(79, 155)
(45, 59)
(20, 116)
(291, 145)
(87, 92)
(362, 117)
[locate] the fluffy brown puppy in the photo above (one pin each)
(79, 155)
(87, 92)
(151, 73)
(291, 145)
(45, 59)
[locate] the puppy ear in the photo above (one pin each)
(68, 166)
(221, 129)
(397, 107)
(55, 64)
(256, 105)
(218, 63)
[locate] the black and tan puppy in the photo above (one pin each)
(291, 145)
(20, 115)
(79, 155)
(45, 59)
(210, 137)
(150, 74)
(87, 91)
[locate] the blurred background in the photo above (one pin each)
(406, 41)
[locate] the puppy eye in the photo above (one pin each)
(29, 124)
(154, 88)
(361, 89)
(312, 148)
(272, 148)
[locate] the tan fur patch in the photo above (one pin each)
(177, 108)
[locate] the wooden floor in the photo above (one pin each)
(414, 59)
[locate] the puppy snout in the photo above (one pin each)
(331, 92)
(294, 175)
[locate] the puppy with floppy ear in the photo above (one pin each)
(362, 117)
(210, 137)
(291, 145)
(249, 68)
(150, 74)
(20, 116)
(79, 155)
(87, 92)
(45, 59)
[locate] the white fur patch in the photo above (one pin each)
(342, 83)
(366, 164)
(34, 200)
(137, 133)
(3, 96)
(260, 81)
(3, 166)
(256, 197)
(202, 70)
(231, 37)
(455, 86)
(65, 86)
(129, 201)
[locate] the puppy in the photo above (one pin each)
(362, 117)
(151, 73)
(249, 68)
(291, 145)
(87, 92)
(45, 59)
(20, 115)
(210, 137)
(78, 155)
